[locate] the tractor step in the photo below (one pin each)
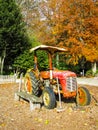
(29, 97)
(35, 102)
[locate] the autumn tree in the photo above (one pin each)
(72, 24)
(30, 12)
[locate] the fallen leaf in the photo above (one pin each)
(85, 124)
(46, 122)
(82, 111)
(70, 110)
(38, 119)
(3, 124)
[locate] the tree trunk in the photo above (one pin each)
(57, 60)
(0, 64)
(2, 58)
(94, 67)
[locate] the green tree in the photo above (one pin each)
(13, 36)
(24, 62)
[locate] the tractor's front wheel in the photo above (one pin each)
(49, 99)
(83, 98)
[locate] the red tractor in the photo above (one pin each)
(47, 81)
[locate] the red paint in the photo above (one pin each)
(61, 75)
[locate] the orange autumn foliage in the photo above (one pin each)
(72, 24)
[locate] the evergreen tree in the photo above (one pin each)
(13, 37)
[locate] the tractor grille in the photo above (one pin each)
(71, 84)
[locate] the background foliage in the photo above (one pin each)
(13, 36)
(68, 24)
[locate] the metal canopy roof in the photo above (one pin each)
(49, 48)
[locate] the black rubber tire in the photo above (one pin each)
(49, 99)
(83, 97)
(34, 83)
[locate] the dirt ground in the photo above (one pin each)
(16, 115)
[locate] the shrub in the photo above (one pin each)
(89, 73)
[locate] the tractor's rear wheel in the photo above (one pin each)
(83, 97)
(31, 83)
(49, 99)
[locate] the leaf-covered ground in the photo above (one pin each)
(16, 115)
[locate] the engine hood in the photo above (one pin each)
(62, 74)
